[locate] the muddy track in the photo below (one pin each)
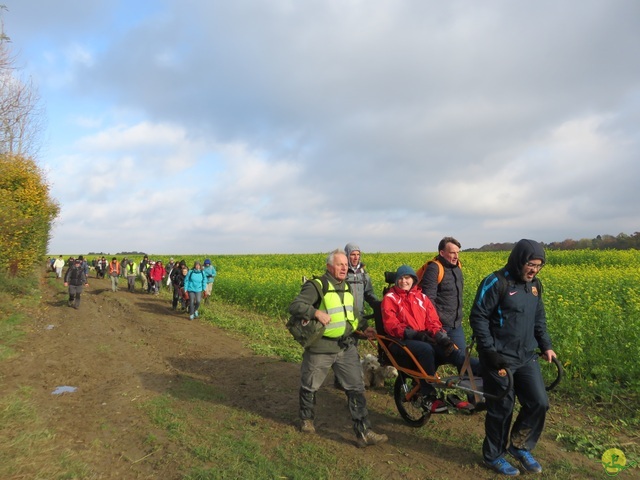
(120, 349)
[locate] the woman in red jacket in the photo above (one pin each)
(157, 273)
(408, 314)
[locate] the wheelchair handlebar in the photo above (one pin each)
(558, 378)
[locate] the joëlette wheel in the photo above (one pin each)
(408, 402)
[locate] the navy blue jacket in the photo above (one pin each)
(512, 321)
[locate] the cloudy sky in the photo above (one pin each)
(248, 126)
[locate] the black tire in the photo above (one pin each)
(410, 409)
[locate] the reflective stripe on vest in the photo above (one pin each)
(340, 311)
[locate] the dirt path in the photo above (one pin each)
(121, 349)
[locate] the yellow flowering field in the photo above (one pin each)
(592, 299)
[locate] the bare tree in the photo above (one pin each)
(21, 113)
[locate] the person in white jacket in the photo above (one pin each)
(58, 265)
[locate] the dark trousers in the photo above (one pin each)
(530, 390)
(430, 357)
(74, 295)
(177, 298)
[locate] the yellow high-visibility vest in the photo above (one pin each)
(340, 310)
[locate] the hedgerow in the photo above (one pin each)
(26, 214)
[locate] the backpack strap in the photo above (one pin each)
(503, 283)
(421, 271)
(325, 287)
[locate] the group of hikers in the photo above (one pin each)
(190, 286)
(424, 311)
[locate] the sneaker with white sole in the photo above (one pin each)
(525, 458)
(503, 467)
(459, 404)
(434, 405)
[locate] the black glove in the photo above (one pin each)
(494, 360)
(410, 334)
(422, 335)
(442, 338)
(445, 342)
(425, 336)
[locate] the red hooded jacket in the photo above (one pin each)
(157, 272)
(403, 309)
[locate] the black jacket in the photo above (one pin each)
(446, 296)
(75, 276)
(177, 278)
(511, 320)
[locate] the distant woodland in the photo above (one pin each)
(621, 241)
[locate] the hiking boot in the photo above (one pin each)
(526, 459)
(503, 467)
(306, 426)
(370, 438)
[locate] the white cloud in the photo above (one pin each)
(290, 126)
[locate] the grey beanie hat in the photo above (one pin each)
(351, 247)
(406, 270)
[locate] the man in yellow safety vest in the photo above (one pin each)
(329, 301)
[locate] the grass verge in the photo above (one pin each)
(23, 434)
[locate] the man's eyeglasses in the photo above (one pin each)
(537, 266)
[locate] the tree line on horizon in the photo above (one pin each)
(622, 241)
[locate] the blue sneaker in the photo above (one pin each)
(501, 465)
(190, 317)
(526, 460)
(196, 314)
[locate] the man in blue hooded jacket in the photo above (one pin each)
(509, 323)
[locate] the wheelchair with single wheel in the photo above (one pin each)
(407, 392)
